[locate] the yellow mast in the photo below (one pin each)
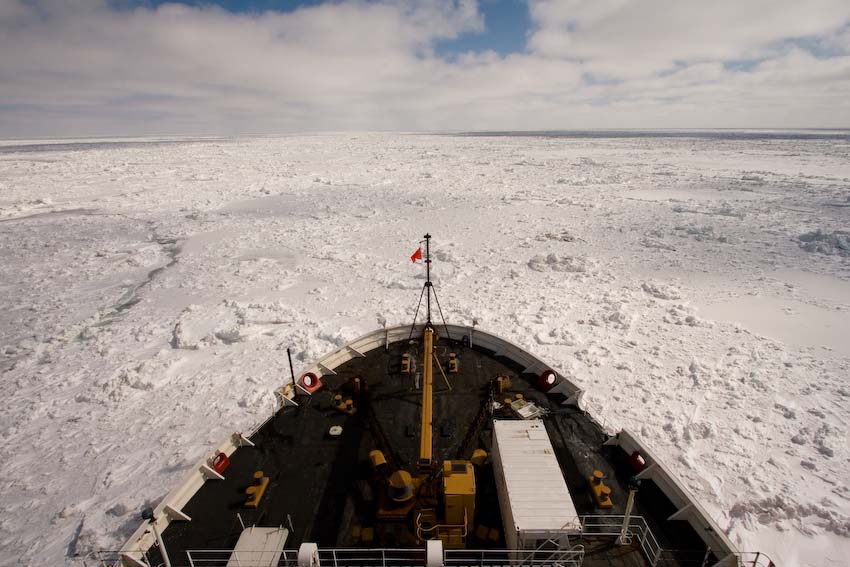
(425, 443)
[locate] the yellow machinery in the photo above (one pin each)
(459, 502)
(344, 405)
(377, 459)
(601, 491)
(458, 487)
(255, 492)
(479, 457)
(454, 364)
(401, 486)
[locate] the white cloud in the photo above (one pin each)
(654, 33)
(74, 67)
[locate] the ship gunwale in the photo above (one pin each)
(487, 345)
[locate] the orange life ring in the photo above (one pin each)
(310, 382)
(547, 380)
(220, 462)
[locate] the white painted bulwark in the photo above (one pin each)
(482, 339)
(132, 553)
(689, 509)
(533, 496)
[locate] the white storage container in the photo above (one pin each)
(533, 496)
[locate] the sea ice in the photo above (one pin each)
(150, 293)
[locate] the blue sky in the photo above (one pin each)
(507, 26)
(123, 67)
(507, 22)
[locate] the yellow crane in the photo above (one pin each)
(426, 429)
(453, 484)
(457, 488)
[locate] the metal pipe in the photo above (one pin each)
(428, 275)
(291, 370)
(161, 544)
(625, 538)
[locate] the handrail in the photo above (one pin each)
(102, 558)
(395, 557)
(420, 530)
(610, 525)
(754, 559)
(514, 557)
(357, 557)
(332, 557)
(693, 513)
(402, 557)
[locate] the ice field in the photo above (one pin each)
(698, 288)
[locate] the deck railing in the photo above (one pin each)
(687, 558)
(231, 558)
(696, 558)
(371, 557)
(637, 530)
(606, 526)
(754, 559)
(102, 559)
(602, 526)
(513, 557)
(393, 558)
(328, 557)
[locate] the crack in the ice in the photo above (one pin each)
(172, 247)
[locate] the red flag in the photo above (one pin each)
(416, 255)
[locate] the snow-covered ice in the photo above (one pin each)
(697, 288)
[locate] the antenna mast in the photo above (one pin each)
(426, 449)
(429, 288)
(428, 284)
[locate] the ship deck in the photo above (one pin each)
(319, 484)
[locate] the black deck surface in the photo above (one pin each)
(320, 485)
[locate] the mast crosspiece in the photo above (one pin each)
(429, 288)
